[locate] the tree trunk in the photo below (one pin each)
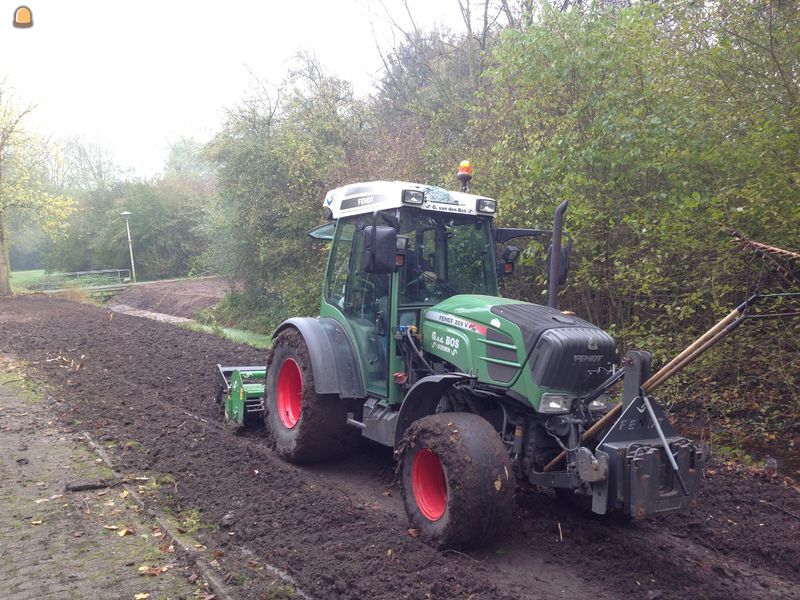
(5, 269)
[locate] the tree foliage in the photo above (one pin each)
(168, 215)
(277, 155)
(25, 162)
(664, 124)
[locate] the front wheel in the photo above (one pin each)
(304, 426)
(458, 486)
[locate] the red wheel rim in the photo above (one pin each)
(429, 484)
(290, 393)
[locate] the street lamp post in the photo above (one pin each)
(125, 216)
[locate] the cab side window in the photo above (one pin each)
(340, 263)
(367, 293)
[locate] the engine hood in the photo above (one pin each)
(465, 311)
(562, 351)
(480, 313)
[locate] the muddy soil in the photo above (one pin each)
(181, 297)
(339, 529)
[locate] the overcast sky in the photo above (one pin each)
(135, 75)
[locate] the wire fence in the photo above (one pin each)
(81, 279)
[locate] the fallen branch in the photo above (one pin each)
(775, 506)
(80, 486)
(460, 554)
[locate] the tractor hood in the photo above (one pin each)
(563, 351)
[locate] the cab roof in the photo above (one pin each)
(371, 196)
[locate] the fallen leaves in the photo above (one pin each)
(53, 497)
(142, 596)
(153, 571)
(498, 485)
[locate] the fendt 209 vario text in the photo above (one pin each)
(414, 349)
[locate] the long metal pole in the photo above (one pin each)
(130, 249)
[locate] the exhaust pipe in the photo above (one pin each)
(555, 255)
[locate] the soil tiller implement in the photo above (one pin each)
(239, 393)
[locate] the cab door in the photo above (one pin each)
(363, 300)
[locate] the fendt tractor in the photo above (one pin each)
(415, 350)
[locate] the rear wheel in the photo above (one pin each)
(304, 426)
(458, 486)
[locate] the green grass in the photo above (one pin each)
(257, 340)
(22, 280)
(28, 280)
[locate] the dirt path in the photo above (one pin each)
(338, 529)
(179, 297)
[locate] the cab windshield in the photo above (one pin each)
(445, 255)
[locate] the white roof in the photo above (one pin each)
(370, 196)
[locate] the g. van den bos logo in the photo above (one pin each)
(445, 343)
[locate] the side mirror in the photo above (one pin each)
(509, 259)
(380, 247)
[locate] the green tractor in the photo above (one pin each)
(415, 350)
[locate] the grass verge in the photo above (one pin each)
(257, 340)
(22, 280)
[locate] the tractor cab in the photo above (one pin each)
(397, 249)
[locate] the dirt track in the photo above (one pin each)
(179, 297)
(339, 529)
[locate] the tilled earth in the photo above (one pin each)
(339, 529)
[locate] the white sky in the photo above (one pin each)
(134, 75)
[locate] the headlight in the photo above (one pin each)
(600, 404)
(555, 403)
(413, 196)
(487, 206)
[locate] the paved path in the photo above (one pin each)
(60, 544)
(137, 312)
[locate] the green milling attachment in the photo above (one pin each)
(245, 386)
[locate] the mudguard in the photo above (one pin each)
(422, 398)
(333, 358)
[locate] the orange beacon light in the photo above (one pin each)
(23, 17)
(464, 174)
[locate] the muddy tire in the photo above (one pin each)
(303, 426)
(458, 486)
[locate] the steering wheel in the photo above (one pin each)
(430, 277)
